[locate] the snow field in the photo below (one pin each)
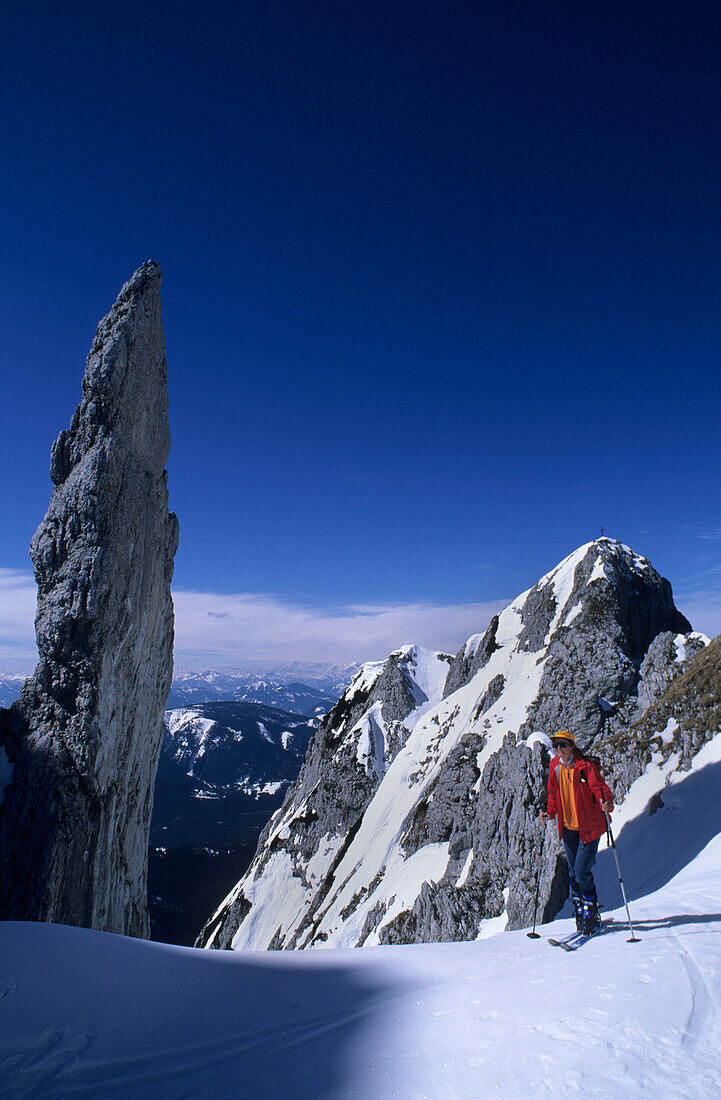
(88, 1014)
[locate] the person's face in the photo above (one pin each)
(565, 750)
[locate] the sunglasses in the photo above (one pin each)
(562, 744)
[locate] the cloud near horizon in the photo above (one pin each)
(223, 630)
(214, 629)
(226, 630)
(18, 596)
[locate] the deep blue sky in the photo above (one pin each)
(441, 281)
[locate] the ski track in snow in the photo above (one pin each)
(701, 1005)
(53, 1065)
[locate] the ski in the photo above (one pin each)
(574, 944)
(566, 940)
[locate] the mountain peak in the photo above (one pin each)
(415, 815)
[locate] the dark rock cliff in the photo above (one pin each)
(82, 744)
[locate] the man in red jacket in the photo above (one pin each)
(579, 800)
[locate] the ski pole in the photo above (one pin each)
(534, 935)
(612, 843)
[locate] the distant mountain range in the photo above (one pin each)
(298, 687)
(244, 687)
(10, 688)
(224, 769)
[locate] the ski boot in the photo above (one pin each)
(590, 918)
(577, 901)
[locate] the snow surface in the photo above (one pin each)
(365, 678)
(466, 870)
(428, 672)
(371, 734)
(187, 720)
(681, 641)
(573, 614)
(562, 580)
(87, 1014)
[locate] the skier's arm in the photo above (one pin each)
(552, 808)
(600, 789)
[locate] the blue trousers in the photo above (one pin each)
(581, 858)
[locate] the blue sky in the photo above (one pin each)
(440, 291)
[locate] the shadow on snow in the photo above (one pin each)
(100, 1015)
(664, 839)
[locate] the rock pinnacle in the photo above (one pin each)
(84, 739)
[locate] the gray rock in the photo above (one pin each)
(474, 655)
(594, 665)
(680, 719)
(85, 737)
(661, 665)
(495, 824)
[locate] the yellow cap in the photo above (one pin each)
(563, 735)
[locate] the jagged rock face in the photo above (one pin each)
(446, 834)
(617, 606)
(474, 655)
(684, 714)
(84, 739)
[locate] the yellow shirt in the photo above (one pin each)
(568, 802)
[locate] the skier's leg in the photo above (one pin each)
(585, 859)
(571, 846)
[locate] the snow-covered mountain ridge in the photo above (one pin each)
(218, 752)
(10, 686)
(296, 687)
(415, 815)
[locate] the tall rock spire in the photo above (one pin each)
(83, 742)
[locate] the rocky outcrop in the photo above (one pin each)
(83, 742)
(475, 654)
(684, 714)
(445, 835)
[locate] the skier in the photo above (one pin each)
(579, 799)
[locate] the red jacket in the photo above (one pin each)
(589, 790)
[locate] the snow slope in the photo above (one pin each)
(88, 1014)
(95, 1015)
(424, 676)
